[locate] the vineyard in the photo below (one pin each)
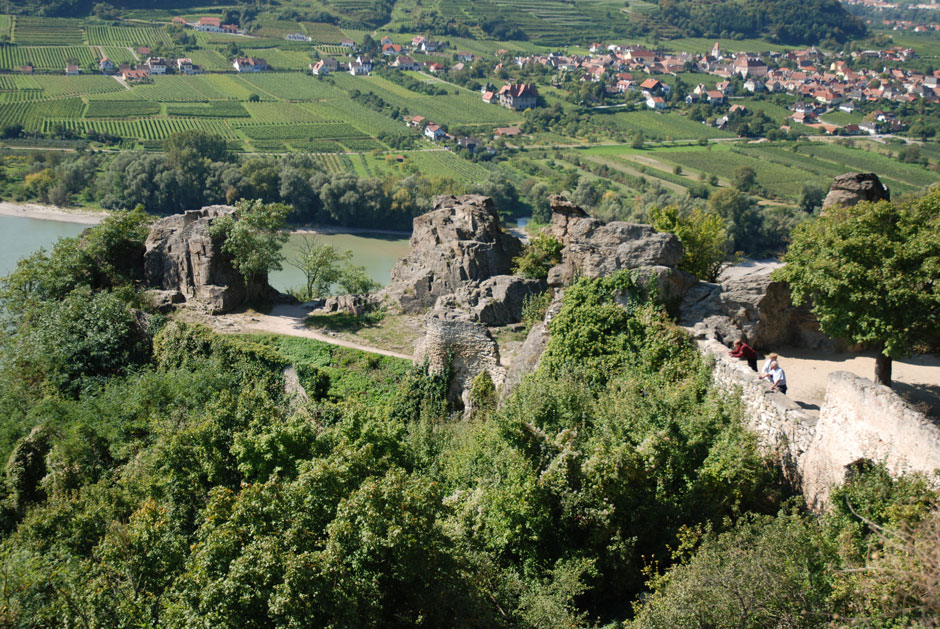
(335, 163)
(212, 109)
(133, 36)
(277, 113)
(121, 108)
(31, 114)
(47, 57)
(326, 130)
(146, 129)
(323, 33)
(47, 31)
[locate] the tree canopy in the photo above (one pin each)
(871, 273)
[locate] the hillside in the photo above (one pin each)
(809, 22)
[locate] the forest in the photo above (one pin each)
(159, 474)
(809, 22)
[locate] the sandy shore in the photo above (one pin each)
(51, 213)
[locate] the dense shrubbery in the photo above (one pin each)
(186, 486)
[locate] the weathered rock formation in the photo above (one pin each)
(749, 304)
(593, 248)
(460, 241)
(470, 348)
(184, 263)
(494, 301)
(852, 188)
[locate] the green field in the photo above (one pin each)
(29, 31)
(133, 36)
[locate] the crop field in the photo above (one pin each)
(659, 126)
(46, 57)
(121, 108)
(361, 144)
(212, 109)
(117, 54)
(371, 122)
(277, 28)
(323, 130)
(58, 86)
(335, 163)
(31, 114)
(19, 83)
(126, 36)
(901, 177)
(6, 23)
(292, 86)
(778, 179)
(313, 145)
(282, 112)
(323, 33)
(146, 129)
(445, 164)
(229, 85)
(210, 60)
(281, 59)
(178, 88)
(48, 31)
(464, 107)
(332, 51)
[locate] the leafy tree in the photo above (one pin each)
(703, 236)
(253, 237)
(871, 274)
(741, 218)
(353, 280)
(811, 198)
(542, 253)
(744, 178)
(638, 141)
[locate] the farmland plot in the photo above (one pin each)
(133, 36)
(46, 57)
(146, 129)
(121, 108)
(31, 114)
(48, 31)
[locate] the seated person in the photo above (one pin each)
(744, 351)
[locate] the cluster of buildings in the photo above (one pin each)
(151, 66)
(209, 25)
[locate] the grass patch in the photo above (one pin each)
(344, 322)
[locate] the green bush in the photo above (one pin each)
(541, 254)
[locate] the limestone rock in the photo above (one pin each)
(852, 188)
(471, 348)
(461, 240)
(163, 300)
(495, 301)
(593, 248)
(749, 304)
(180, 255)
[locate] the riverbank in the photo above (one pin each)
(51, 213)
(40, 212)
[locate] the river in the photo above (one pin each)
(19, 237)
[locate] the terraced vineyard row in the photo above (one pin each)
(47, 31)
(145, 129)
(126, 36)
(47, 57)
(31, 114)
(328, 130)
(121, 108)
(212, 109)
(335, 163)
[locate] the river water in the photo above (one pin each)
(19, 237)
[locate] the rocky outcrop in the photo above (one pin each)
(749, 304)
(460, 241)
(354, 305)
(528, 357)
(593, 248)
(494, 301)
(468, 346)
(852, 188)
(182, 257)
(184, 263)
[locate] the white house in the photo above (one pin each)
(250, 64)
(156, 65)
(656, 103)
(434, 132)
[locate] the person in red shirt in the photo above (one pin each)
(745, 352)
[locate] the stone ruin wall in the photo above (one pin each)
(859, 420)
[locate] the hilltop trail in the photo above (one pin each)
(289, 321)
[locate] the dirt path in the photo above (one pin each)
(289, 321)
(917, 379)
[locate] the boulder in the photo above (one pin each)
(354, 305)
(852, 188)
(470, 348)
(593, 248)
(494, 301)
(460, 241)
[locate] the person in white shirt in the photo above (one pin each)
(766, 366)
(777, 377)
